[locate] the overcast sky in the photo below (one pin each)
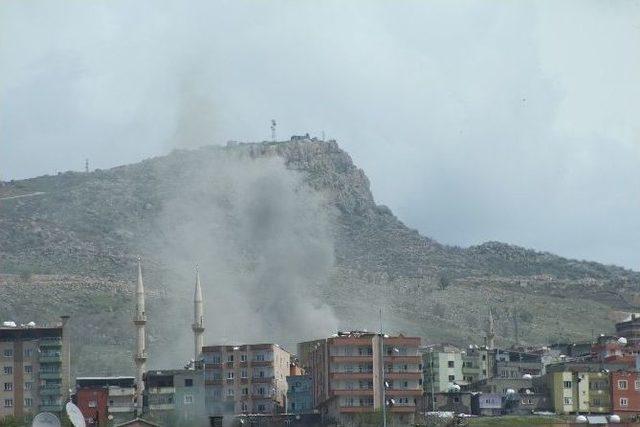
(512, 121)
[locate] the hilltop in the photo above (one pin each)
(69, 243)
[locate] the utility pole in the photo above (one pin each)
(384, 399)
(86, 165)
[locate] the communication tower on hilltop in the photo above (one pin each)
(273, 130)
(86, 165)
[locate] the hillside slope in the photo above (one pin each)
(68, 245)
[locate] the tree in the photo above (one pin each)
(444, 282)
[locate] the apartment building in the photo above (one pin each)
(299, 394)
(625, 393)
(104, 398)
(358, 372)
(34, 376)
(243, 379)
(580, 390)
(442, 367)
(477, 364)
(176, 396)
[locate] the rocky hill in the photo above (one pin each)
(267, 222)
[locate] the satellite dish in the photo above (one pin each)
(75, 415)
(614, 419)
(45, 419)
(622, 341)
(581, 419)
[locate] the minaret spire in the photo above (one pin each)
(140, 356)
(198, 319)
(491, 335)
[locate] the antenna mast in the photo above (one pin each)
(86, 165)
(273, 130)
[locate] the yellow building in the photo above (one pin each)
(580, 392)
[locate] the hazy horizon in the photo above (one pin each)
(479, 121)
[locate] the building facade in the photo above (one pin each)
(246, 379)
(442, 368)
(358, 372)
(299, 394)
(176, 397)
(35, 368)
(580, 391)
(103, 398)
(625, 393)
(630, 329)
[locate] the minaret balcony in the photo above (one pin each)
(197, 328)
(140, 319)
(141, 356)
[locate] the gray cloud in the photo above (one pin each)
(477, 121)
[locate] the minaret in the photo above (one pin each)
(491, 335)
(198, 319)
(140, 357)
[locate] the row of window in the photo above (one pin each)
(624, 384)
(28, 402)
(216, 358)
(8, 370)
(217, 375)
(8, 352)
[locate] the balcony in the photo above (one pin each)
(50, 375)
(51, 407)
(161, 390)
(403, 375)
(161, 406)
(353, 392)
(50, 342)
(261, 362)
(213, 382)
(351, 359)
(50, 358)
(356, 409)
(117, 391)
(121, 407)
(262, 379)
(404, 392)
(406, 409)
(50, 390)
(351, 375)
(414, 360)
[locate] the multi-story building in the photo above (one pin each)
(625, 393)
(442, 368)
(34, 376)
(176, 396)
(477, 364)
(579, 389)
(103, 398)
(630, 329)
(299, 394)
(358, 372)
(246, 378)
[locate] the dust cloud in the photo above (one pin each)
(263, 241)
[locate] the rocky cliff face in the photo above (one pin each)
(69, 241)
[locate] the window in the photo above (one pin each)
(188, 382)
(8, 386)
(245, 391)
(28, 385)
(188, 399)
(229, 392)
(8, 403)
(596, 402)
(622, 384)
(568, 401)
(28, 369)
(230, 375)
(230, 358)
(260, 357)
(8, 370)
(262, 407)
(484, 357)
(28, 402)
(567, 384)
(28, 352)
(452, 378)
(93, 404)
(637, 384)
(244, 407)
(624, 401)
(451, 363)
(243, 357)
(261, 391)
(456, 399)
(8, 352)
(243, 373)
